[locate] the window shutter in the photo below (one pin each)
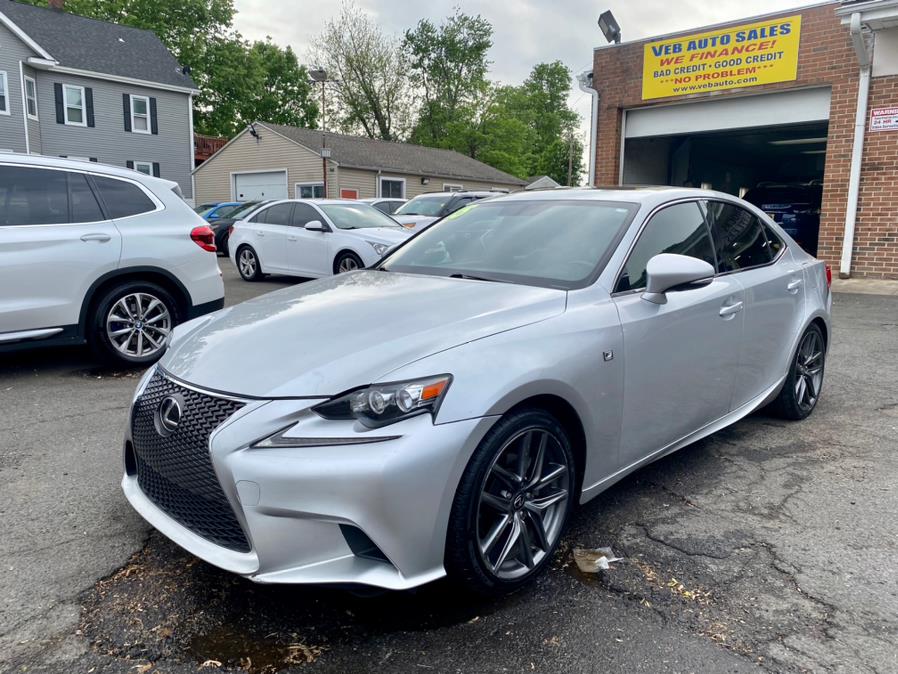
(89, 105)
(126, 104)
(156, 171)
(60, 112)
(154, 124)
(129, 164)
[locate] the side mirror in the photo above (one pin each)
(315, 226)
(667, 272)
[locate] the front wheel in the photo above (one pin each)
(801, 391)
(346, 262)
(512, 504)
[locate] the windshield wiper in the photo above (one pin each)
(475, 278)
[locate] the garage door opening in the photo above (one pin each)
(779, 169)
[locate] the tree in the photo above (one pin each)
(239, 82)
(372, 89)
(449, 65)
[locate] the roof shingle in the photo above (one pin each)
(368, 153)
(98, 46)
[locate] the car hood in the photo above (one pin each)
(387, 235)
(323, 337)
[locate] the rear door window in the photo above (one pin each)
(35, 196)
(122, 199)
(304, 214)
(680, 229)
(83, 203)
(739, 237)
(279, 214)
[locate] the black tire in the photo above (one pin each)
(345, 259)
(464, 562)
(108, 308)
(247, 272)
(797, 400)
(221, 241)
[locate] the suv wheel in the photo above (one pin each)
(133, 322)
(512, 504)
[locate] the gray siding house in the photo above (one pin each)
(81, 88)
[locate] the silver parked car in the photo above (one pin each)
(446, 410)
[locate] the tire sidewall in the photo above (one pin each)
(787, 404)
(463, 561)
(342, 256)
(99, 340)
(258, 273)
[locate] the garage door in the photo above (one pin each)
(257, 186)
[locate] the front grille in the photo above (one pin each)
(175, 471)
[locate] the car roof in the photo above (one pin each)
(636, 194)
(377, 200)
(41, 161)
(463, 193)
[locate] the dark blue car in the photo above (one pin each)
(214, 212)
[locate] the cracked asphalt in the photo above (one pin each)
(769, 546)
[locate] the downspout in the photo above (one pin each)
(585, 80)
(24, 106)
(857, 150)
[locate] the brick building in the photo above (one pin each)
(766, 102)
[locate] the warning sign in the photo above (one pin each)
(728, 58)
(884, 119)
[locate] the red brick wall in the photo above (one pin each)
(826, 58)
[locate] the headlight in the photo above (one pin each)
(379, 248)
(382, 404)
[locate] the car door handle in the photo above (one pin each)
(292, 238)
(99, 237)
(731, 309)
(794, 285)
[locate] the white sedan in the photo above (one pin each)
(311, 238)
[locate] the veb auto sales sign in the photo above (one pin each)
(729, 58)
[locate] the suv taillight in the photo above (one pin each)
(204, 237)
(829, 276)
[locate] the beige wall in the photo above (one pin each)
(273, 152)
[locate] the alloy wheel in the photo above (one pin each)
(138, 324)
(523, 503)
(348, 263)
(809, 370)
(247, 263)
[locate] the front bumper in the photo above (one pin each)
(296, 505)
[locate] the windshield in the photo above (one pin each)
(203, 208)
(356, 216)
(424, 205)
(547, 243)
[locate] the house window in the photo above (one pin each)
(452, 187)
(310, 190)
(140, 114)
(4, 93)
(392, 188)
(31, 98)
(73, 105)
(145, 167)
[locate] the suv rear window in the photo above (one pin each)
(122, 199)
(35, 196)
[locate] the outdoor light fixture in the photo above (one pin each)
(318, 73)
(425, 181)
(609, 26)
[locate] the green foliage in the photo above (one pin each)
(238, 81)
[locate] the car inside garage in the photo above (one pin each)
(769, 149)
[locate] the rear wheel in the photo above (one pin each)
(512, 504)
(804, 382)
(248, 264)
(347, 261)
(133, 322)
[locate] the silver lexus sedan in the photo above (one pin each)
(443, 412)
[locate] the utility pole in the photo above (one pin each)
(570, 157)
(319, 75)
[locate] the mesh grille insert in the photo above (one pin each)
(175, 472)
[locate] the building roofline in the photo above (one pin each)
(722, 24)
(23, 36)
(53, 66)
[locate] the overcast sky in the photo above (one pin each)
(526, 32)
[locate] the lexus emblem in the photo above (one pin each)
(168, 415)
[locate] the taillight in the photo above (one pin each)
(230, 230)
(829, 276)
(204, 237)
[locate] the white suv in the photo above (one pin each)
(99, 254)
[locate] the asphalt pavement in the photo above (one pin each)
(769, 546)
